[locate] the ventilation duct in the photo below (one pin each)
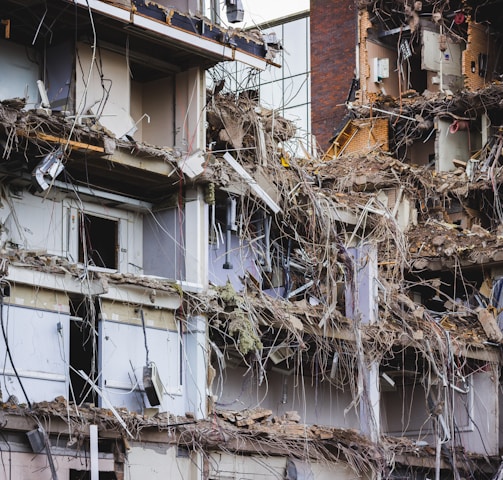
(235, 11)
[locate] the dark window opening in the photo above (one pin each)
(83, 348)
(418, 76)
(483, 60)
(86, 475)
(182, 451)
(98, 241)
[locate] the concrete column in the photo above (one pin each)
(196, 239)
(196, 360)
(362, 307)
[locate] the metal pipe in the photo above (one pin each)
(228, 234)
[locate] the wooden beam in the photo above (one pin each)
(72, 143)
(62, 141)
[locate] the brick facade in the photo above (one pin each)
(479, 43)
(333, 47)
(372, 135)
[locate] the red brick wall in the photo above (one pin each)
(479, 41)
(333, 45)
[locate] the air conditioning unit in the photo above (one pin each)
(152, 384)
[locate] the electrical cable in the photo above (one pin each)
(10, 454)
(144, 335)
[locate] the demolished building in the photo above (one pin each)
(419, 146)
(179, 296)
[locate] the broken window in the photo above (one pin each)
(98, 241)
(164, 243)
(83, 348)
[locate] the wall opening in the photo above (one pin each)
(86, 475)
(98, 241)
(417, 77)
(83, 348)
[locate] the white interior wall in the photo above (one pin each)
(339, 471)
(450, 146)
(19, 73)
(196, 239)
(189, 115)
(112, 92)
(444, 67)
(483, 406)
(39, 344)
(123, 357)
(390, 85)
(33, 223)
(158, 462)
(175, 106)
(318, 404)
(196, 363)
(403, 412)
(403, 211)
(156, 99)
(433, 59)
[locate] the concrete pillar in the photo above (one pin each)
(362, 307)
(196, 360)
(196, 239)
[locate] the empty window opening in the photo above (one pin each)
(183, 451)
(417, 77)
(83, 348)
(98, 241)
(86, 475)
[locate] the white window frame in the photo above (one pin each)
(71, 233)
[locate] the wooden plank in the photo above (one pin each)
(62, 141)
(72, 143)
